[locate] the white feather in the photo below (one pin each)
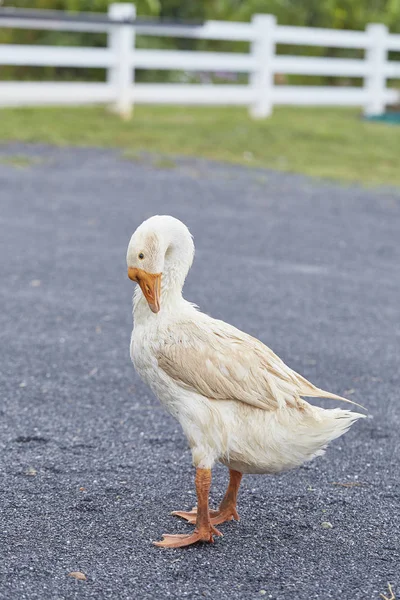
(236, 401)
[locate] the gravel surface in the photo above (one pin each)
(91, 465)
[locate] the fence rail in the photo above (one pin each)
(120, 58)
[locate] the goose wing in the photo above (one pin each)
(221, 362)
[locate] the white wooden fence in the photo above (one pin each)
(121, 58)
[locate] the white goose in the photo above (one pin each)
(237, 402)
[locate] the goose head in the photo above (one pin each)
(160, 254)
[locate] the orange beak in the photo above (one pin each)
(150, 284)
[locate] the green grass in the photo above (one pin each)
(322, 142)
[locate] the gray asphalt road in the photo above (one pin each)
(91, 466)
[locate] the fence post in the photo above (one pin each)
(121, 40)
(375, 81)
(262, 78)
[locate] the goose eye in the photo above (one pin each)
(141, 256)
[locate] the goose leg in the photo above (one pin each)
(227, 509)
(204, 530)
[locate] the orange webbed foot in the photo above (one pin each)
(227, 514)
(191, 515)
(181, 540)
(216, 516)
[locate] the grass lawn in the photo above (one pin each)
(323, 142)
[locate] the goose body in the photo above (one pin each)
(175, 354)
(237, 402)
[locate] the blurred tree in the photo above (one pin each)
(338, 14)
(148, 7)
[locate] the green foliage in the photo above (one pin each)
(336, 14)
(147, 7)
